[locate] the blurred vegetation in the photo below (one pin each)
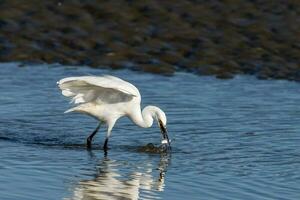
(214, 37)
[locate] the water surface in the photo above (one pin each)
(232, 139)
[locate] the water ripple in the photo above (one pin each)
(233, 139)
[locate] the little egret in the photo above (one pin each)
(107, 98)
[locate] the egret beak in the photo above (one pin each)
(164, 132)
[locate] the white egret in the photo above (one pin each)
(107, 98)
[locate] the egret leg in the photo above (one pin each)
(105, 144)
(111, 124)
(90, 138)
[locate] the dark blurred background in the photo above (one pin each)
(216, 37)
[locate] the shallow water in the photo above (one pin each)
(232, 139)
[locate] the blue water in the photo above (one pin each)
(232, 139)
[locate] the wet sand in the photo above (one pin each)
(220, 38)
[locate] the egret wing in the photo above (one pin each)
(102, 89)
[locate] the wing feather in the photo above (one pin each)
(100, 89)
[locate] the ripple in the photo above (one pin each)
(233, 139)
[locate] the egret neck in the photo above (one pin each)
(145, 118)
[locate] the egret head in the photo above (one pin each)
(161, 117)
(152, 112)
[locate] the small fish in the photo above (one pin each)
(164, 141)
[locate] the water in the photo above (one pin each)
(232, 139)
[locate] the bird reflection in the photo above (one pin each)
(123, 180)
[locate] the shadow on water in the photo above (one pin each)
(115, 179)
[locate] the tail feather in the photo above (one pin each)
(70, 110)
(87, 108)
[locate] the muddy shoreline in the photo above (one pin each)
(220, 38)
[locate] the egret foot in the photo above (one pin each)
(90, 138)
(89, 143)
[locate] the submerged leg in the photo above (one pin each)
(110, 126)
(105, 147)
(90, 138)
